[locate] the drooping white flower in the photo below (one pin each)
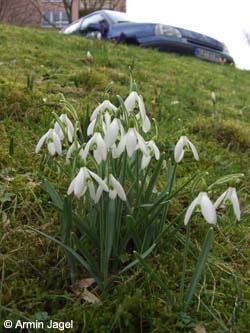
(132, 141)
(68, 127)
(179, 149)
(115, 189)
(106, 105)
(207, 209)
(231, 195)
(153, 151)
(84, 181)
(131, 100)
(53, 142)
(130, 103)
(111, 132)
(99, 147)
(74, 146)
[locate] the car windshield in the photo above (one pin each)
(118, 17)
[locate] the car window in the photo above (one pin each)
(97, 18)
(73, 28)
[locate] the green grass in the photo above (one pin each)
(36, 66)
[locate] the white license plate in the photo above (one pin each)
(207, 55)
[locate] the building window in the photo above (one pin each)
(56, 19)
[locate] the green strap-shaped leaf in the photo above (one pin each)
(199, 267)
(83, 262)
(55, 197)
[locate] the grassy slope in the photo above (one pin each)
(34, 274)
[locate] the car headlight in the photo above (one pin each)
(167, 31)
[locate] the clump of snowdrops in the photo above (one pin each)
(115, 204)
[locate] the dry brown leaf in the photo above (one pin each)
(85, 283)
(5, 220)
(200, 329)
(89, 297)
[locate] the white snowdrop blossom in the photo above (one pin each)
(179, 149)
(106, 105)
(99, 147)
(130, 104)
(84, 181)
(207, 209)
(230, 195)
(74, 146)
(153, 151)
(131, 100)
(111, 132)
(131, 141)
(53, 142)
(115, 189)
(68, 128)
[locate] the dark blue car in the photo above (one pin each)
(116, 26)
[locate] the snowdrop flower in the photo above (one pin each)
(84, 181)
(75, 146)
(130, 104)
(53, 142)
(207, 209)
(98, 145)
(130, 101)
(111, 132)
(179, 149)
(106, 105)
(153, 150)
(131, 141)
(115, 189)
(69, 128)
(231, 195)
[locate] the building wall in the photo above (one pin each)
(39, 13)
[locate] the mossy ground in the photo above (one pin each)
(36, 66)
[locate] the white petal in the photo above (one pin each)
(97, 156)
(105, 105)
(57, 143)
(112, 194)
(79, 184)
(99, 180)
(146, 125)
(59, 131)
(71, 149)
(145, 161)
(98, 194)
(131, 100)
(117, 186)
(190, 210)
(178, 150)
(101, 146)
(117, 151)
(71, 187)
(41, 142)
(51, 148)
(91, 190)
(236, 204)
(156, 151)
(70, 128)
(194, 150)
(111, 134)
(131, 142)
(207, 209)
(142, 144)
(141, 107)
(220, 200)
(90, 128)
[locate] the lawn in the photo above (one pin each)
(36, 68)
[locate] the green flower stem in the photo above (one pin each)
(184, 265)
